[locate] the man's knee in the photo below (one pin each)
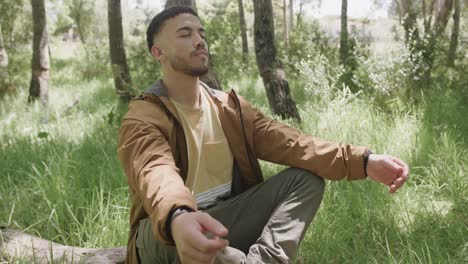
(309, 181)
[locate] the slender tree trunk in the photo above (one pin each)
(285, 24)
(442, 15)
(77, 9)
(211, 78)
(40, 61)
(3, 60)
(291, 16)
(409, 22)
(299, 14)
(344, 49)
(243, 28)
(455, 32)
(429, 22)
(122, 80)
(269, 66)
(171, 3)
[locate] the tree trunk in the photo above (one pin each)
(269, 66)
(3, 60)
(122, 80)
(243, 28)
(76, 8)
(291, 16)
(455, 32)
(344, 49)
(171, 3)
(299, 14)
(429, 22)
(442, 14)
(16, 245)
(409, 22)
(40, 61)
(211, 78)
(285, 24)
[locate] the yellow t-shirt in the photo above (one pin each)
(210, 158)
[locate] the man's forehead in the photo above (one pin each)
(181, 21)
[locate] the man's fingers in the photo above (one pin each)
(196, 256)
(396, 184)
(212, 225)
(206, 240)
(405, 167)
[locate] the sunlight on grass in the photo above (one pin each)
(60, 178)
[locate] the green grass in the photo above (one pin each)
(61, 179)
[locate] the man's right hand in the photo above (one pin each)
(189, 231)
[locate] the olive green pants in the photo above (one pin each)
(266, 223)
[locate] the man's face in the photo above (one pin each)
(181, 45)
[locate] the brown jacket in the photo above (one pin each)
(153, 154)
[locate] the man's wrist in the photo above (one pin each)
(178, 212)
(172, 215)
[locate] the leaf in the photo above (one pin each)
(110, 116)
(42, 134)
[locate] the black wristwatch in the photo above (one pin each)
(366, 159)
(172, 215)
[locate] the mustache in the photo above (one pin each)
(200, 51)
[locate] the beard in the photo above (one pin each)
(179, 64)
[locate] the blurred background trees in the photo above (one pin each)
(430, 32)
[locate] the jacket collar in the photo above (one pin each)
(159, 89)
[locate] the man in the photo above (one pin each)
(191, 154)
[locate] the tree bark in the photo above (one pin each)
(285, 24)
(211, 78)
(299, 14)
(76, 9)
(122, 80)
(269, 66)
(344, 49)
(291, 16)
(442, 15)
(40, 61)
(171, 3)
(15, 244)
(455, 32)
(243, 28)
(409, 22)
(3, 60)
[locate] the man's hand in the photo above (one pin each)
(191, 231)
(387, 170)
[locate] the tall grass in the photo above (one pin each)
(60, 178)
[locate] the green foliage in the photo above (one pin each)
(82, 12)
(144, 69)
(224, 42)
(306, 41)
(19, 68)
(16, 22)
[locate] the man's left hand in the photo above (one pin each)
(388, 170)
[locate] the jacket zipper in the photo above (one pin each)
(236, 99)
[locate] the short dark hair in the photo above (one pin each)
(158, 21)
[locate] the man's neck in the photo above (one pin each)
(183, 89)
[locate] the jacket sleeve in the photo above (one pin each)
(279, 143)
(153, 177)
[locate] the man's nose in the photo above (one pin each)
(199, 42)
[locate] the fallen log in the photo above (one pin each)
(18, 245)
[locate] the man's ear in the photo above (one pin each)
(156, 52)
